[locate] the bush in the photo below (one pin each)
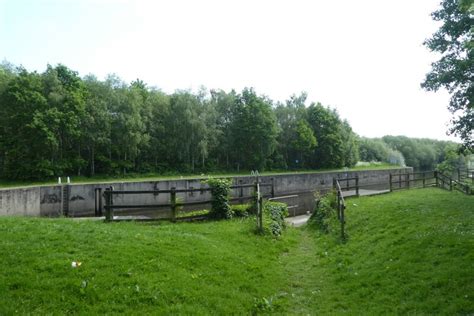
(274, 214)
(325, 212)
(220, 189)
(241, 210)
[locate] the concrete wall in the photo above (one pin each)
(24, 202)
(47, 200)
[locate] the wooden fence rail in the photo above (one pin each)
(173, 204)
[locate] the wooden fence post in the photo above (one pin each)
(436, 178)
(407, 179)
(343, 222)
(357, 184)
(173, 204)
(450, 184)
(399, 179)
(459, 174)
(258, 203)
(424, 180)
(338, 204)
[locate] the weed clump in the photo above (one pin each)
(324, 216)
(274, 214)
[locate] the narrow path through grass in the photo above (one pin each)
(408, 252)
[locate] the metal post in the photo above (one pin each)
(273, 187)
(173, 204)
(96, 203)
(100, 202)
(357, 184)
(241, 192)
(391, 183)
(109, 202)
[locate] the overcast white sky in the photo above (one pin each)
(364, 57)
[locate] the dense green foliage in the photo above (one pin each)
(407, 253)
(56, 124)
(419, 153)
(220, 191)
(454, 70)
(274, 214)
(324, 215)
(378, 150)
(241, 210)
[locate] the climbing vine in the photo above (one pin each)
(220, 207)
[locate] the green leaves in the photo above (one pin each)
(220, 190)
(57, 124)
(454, 70)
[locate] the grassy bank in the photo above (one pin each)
(408, 252)
(134, 177)
(136, 268)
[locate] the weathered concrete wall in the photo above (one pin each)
(47, 200)
(25, 202)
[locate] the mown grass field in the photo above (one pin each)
(409, 252)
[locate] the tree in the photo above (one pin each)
(328, 129)
(26, 146)
(96, 124)
(454, 71)
(305, 141)
(291, 116)
(253, 130)
(64, 117)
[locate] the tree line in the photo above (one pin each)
(56, 123)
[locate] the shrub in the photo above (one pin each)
(220, 189)
(241, 210)
(274, 214)
(325, 212)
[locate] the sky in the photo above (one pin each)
(365, 58)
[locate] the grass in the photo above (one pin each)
(409, 252)
(191, 268)
(136, 177)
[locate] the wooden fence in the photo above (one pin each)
(424, 179)
(341, 207)
(174, 203)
